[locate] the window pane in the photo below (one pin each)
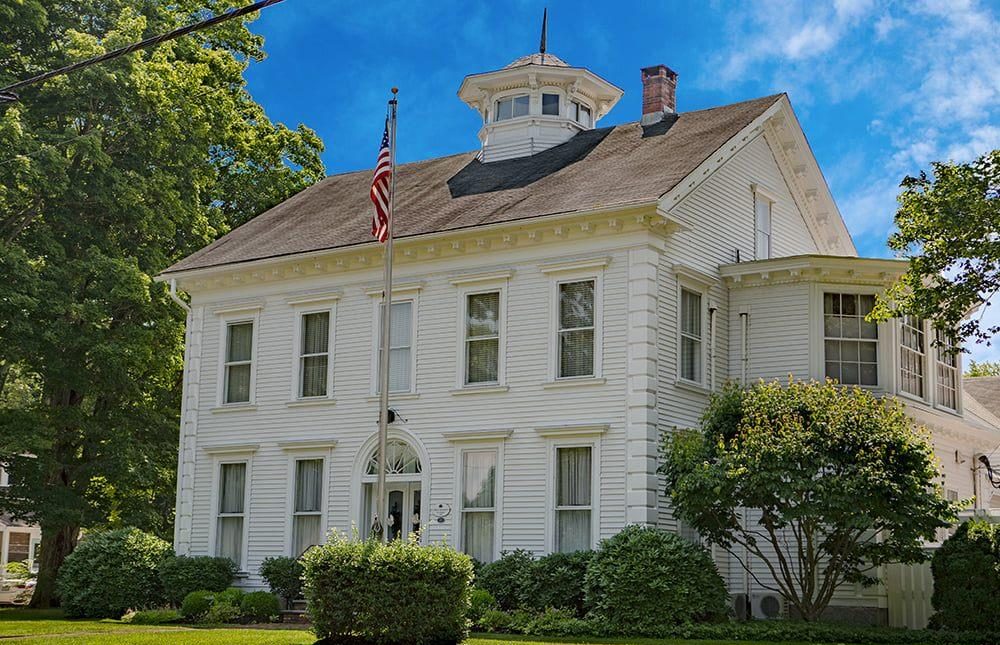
(240, 342)
(576, 353)
(232, 486)
(306, 531)
(477, 535)
(483, 361)
(238, 383)
(399, 370)
(401, 330)
(230, 541)
(314, 372)
(521, 105)
(576, 304)
(18, 546)
(573, 476)
(584, 116)
(691, 313)
(690, 359)
(572, 531)
(504, 108)
(550, 104)
(316, 333)
(308, 485)
(854, 360)
(483, 316)
(479, 479)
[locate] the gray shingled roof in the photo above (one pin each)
(538, 59)
(986, 390)
(605, 167)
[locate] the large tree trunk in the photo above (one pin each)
(57, 543)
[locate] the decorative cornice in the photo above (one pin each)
(230, 448)
(690, 274)
(485, 275)
(397, 288)
(499, 434)
(572, 430)
(813, 268)
(313, 297)
(236, 307)
(308, 444)
(575, 264)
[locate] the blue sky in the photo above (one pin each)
(881, 88)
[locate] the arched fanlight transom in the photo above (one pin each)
(400, 459)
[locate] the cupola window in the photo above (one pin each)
(550, 104)
(580, 114)
(511, 107)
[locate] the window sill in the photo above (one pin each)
(912, 397)
(573, 382)
(310, 403)
(480, 389)
(395, 396)
(692, 386)
(234, 407)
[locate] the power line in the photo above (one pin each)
(9, 93)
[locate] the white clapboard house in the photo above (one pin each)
(562, 295)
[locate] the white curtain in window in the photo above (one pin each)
(308, 485)
(239, 348)
(478, 535)
(573, 531)
(400, 347)
(690, 335)
(479, 479)
(305, 533)
(230, 542)
(232, 487)
(315, 353)
(576, 325)
(573, 485)
(240, 342)
(483, 337)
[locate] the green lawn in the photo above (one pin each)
(26, 626)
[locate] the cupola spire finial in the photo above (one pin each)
(545, 33)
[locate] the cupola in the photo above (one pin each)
(536, 102)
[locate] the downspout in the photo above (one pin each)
(711, 347)
(176, 298)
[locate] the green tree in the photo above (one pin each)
(835, 482)
(948, 225)
(107, 176)
(982, 368)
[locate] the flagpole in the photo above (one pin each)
(378, 526)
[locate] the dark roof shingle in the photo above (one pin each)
(599, 168)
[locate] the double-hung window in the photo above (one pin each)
(850, 343)
(574, 481)
(400, 348)
(912, 355)
(762, 227)
(239, 362)
(307, 512)
(231, 517)
(691, 336)
(482, 338)
(947, 370)
(511, 107)
(314, 355)
(576, 329)
(479, 503)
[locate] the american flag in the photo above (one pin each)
(380, 189)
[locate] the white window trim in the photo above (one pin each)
(958, 409)
(885, 345)
(217, 462)
(464, 291)
(511, 95)
(297, 356)
(576, 272)
(693, 287)
(235, 317)
(295, 455)
(586, 438)
(411, 296)
(762, 193)
(924, 354)
(4, 478)
(471, 444)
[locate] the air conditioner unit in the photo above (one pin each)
(767, 605)
(741, 606)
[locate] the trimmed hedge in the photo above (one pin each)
(966, 573)
(508, 578)
(182, 574)
(557, 582)
(284, 577)
(642, 581)
(259, 607)
(387, 594)
(196, 605)
(111, 572)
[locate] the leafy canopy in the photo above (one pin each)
(836, 482)
(949, 227)
(107, 176)
(982, 368)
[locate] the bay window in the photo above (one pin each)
(576, 327)
(912, 354)
(479, 503)
(314, 354)
(691, 336)
(850, 343)
(947, 370)
(307, 512)
(231, 516)
(482, 338)
(239, 362)
(573, 484)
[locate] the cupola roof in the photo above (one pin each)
(538, 58)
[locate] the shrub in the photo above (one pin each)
(508, 579)
(222, 612)
(182, 575)
(284, 577)
(480, 601)
(494, 620)
(152, 617)
(644, 580)
(110, 572)
(556, 581)
(231, 596)
(966, 573)
(17, 571)
(558, 622)
(196, 604)
(260, 607)
(398, 592)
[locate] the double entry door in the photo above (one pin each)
(402, 508)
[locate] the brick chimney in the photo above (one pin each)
(659, 93)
